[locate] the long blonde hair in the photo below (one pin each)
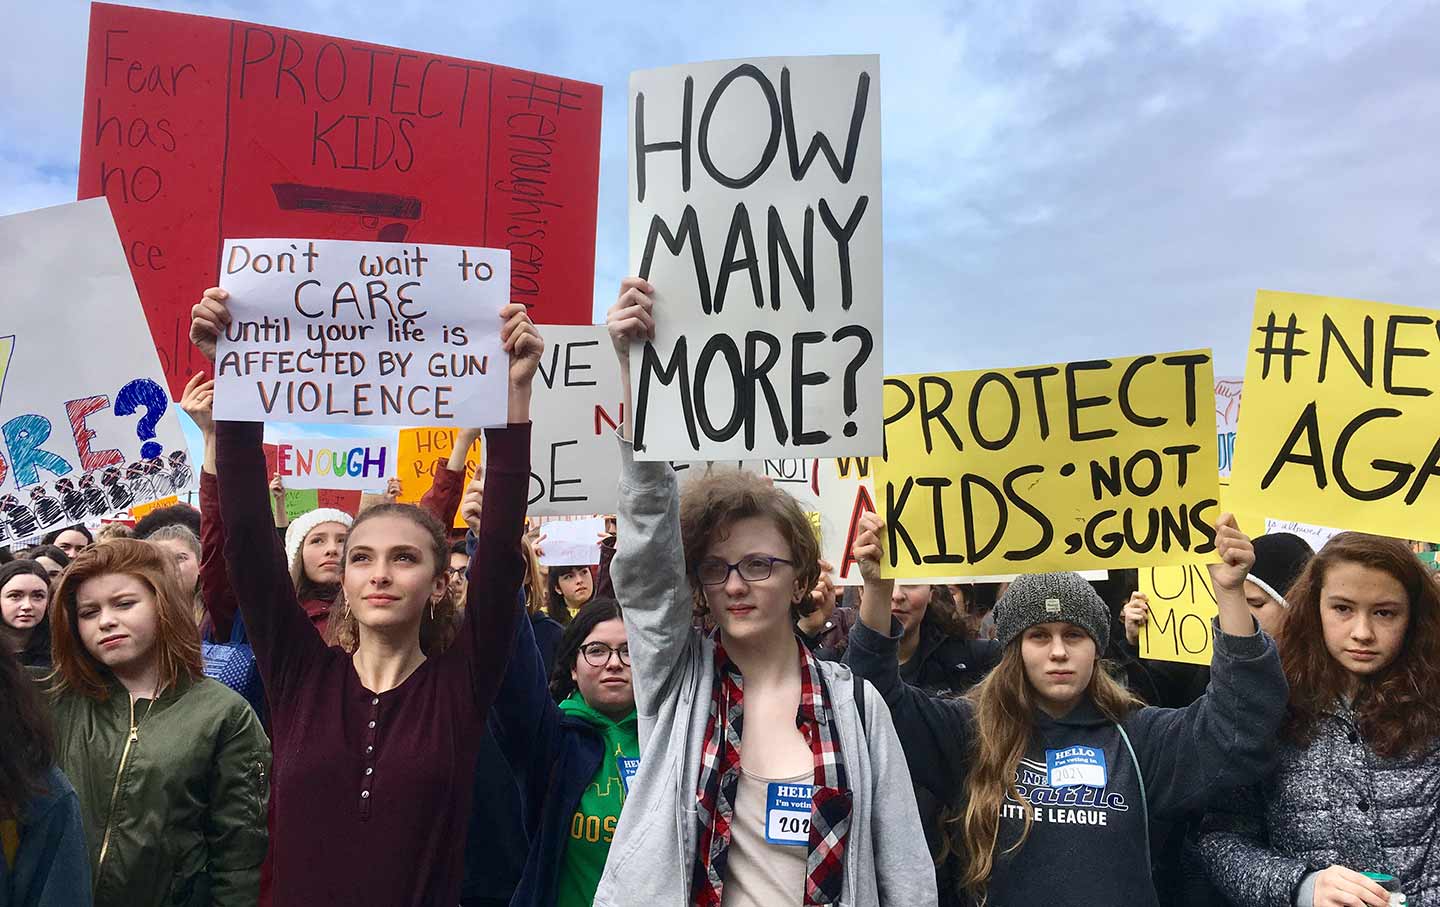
(1004, 707)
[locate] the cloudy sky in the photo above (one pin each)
(1062, 180)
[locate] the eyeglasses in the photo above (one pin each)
(598, 654)
(752, 568)
(456, 572)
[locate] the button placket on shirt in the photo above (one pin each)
(368, 777)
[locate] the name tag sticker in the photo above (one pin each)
(628, 767)
(1082, 766)
(787, 813)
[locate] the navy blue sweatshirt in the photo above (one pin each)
(1088, 845)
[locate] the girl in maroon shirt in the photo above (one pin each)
(375, 751)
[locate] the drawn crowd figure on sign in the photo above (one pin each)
(199, 128)
(362, 332)
(1098, 464)
(81, 436)
(1341, 425)
(755, 213)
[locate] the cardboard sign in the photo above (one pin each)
(419, 448)
(1227, 420)
(1101, 464)
(1342, 423)
(1182, 604)
(571, 542)
(576, 407)
(362, 332)
(199, 128)
(86, 427)
(358, 464)
(755, 213)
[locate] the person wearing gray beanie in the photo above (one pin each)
(1048, 597)
(1053, 768)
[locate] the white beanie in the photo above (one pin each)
(295, 534)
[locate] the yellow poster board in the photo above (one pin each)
(140, 511)
(419, 449)
(1341, 423)
(1093, 465)
(1182, 603)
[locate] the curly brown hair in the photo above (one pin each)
(717, 499)
(1397, 709)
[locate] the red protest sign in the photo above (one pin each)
(197, 129)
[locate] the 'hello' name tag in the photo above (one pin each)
(787, 813)
(628, 767)
(1082, 766)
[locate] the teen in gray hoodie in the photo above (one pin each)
(1053, 768)
(699, 816)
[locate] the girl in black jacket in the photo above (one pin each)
(1054, 770)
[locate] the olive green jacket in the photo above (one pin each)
(173, 794)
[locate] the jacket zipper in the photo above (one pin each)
(115, 791)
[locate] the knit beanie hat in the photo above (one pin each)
(1047, 597)
(1280, 557)
(295, 534)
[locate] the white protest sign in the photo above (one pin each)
(571, 542)
(755, 213)
(87, 426)
(369, 333)
(1314, 536)
(577, 402)
(346, 464)
(1227, 419)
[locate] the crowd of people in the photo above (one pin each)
(223, 707)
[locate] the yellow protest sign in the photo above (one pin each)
(419, 448)
(1341, 423)
(140, 511)
(1092, 465)
(1182, 603)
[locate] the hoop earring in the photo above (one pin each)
(432, 610)
(345, 615)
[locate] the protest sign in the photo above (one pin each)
(87, 427)
(1314, 536)
(140, 511)
(576, 407)
(1099, 464)
(199, 128)
(571, 542)
(766, 263)
(362, 332)
(354, 463)
(1227, 420)
(1341, 425)
(1182, 603)
(419, 449)
(298, 503)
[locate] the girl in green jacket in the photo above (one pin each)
(171, 767)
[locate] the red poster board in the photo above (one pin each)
(199, 128)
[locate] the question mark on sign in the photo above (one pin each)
(867, 344)
(142, 392)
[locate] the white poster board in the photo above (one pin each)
(346, 464)
(566, 543)
(366, 333)
(86, 425)
(575, 409)
(1227, 419)
(755, 214)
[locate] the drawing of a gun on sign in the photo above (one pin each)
(391, 216)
